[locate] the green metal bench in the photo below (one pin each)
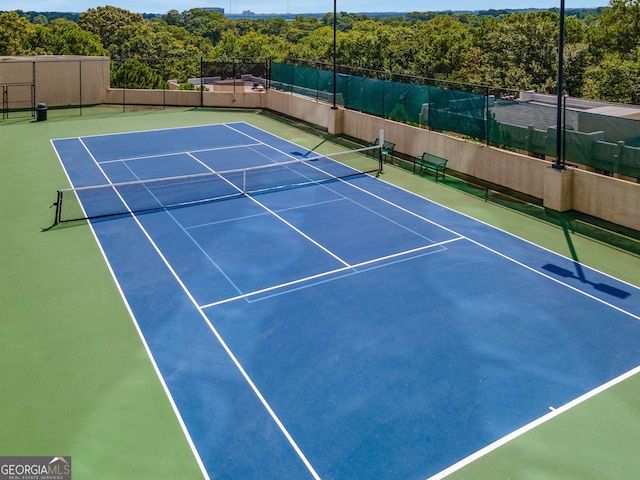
(430, 162)
(387, 148)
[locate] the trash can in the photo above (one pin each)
(41, 112)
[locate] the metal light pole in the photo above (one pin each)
(559, 163)
(335, 76)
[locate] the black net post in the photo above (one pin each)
(58, 206)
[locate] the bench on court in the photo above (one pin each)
(387, 148)
(430, 162)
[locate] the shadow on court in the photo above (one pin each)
(579, 273)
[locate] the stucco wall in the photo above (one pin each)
(59, 80)
(608, 198)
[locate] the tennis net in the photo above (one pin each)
(112, 199)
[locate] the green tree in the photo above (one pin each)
(365, 45)
(106, 21)
(519, 51)
(577, 59)
(135, 74)
(40, 20)
(260, 45)
(209, 25)
(617, 29)
(173, 17)
(615, 79)
(16, 35)
(135, 40)
(446, 42)
(65, 37)
(403, 49)
(318, 45)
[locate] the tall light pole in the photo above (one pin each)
(559, 163)
(335, 76)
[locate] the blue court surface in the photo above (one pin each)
(345, 330)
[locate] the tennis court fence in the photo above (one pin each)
(114, 199)
(600, 135)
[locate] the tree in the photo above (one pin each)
(16, 35)
(365, 45)
(173, 17)
(403, 48)
(106, 21)
(40, 20)
(519, 51)
(318, 45)
(617, 29)
(134, 74)
(446, 42)
(577, 59)
(615, 79)
(65, 37)
(259, 45)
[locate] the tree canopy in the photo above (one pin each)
(504, 49)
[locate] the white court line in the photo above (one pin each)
(566, 407)
(246, 217)
(507, 257)
(294, 228)
(570, 287)
(193, 240)
(332, 272)
(172, 402)
(224, 345)
(604, 302)
(164, 129)
(530, 426)
(176, 153)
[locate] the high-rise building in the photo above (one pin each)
(213, 9)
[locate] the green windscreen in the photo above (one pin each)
(604, 138)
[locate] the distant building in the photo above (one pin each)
(213, 9)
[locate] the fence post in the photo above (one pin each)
(80, 71)
(33, 91)
(486, 114)
(165, 83)
(201, 82)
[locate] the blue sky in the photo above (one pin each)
(290, 6)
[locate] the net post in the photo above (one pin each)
(58, 208)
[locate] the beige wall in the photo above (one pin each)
(611, 199)
(608, 198)
(59, 80)
(186, 98)
(303, 108)
(15, 70)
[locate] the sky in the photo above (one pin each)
(291, 6)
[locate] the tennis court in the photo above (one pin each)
(337, 326)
